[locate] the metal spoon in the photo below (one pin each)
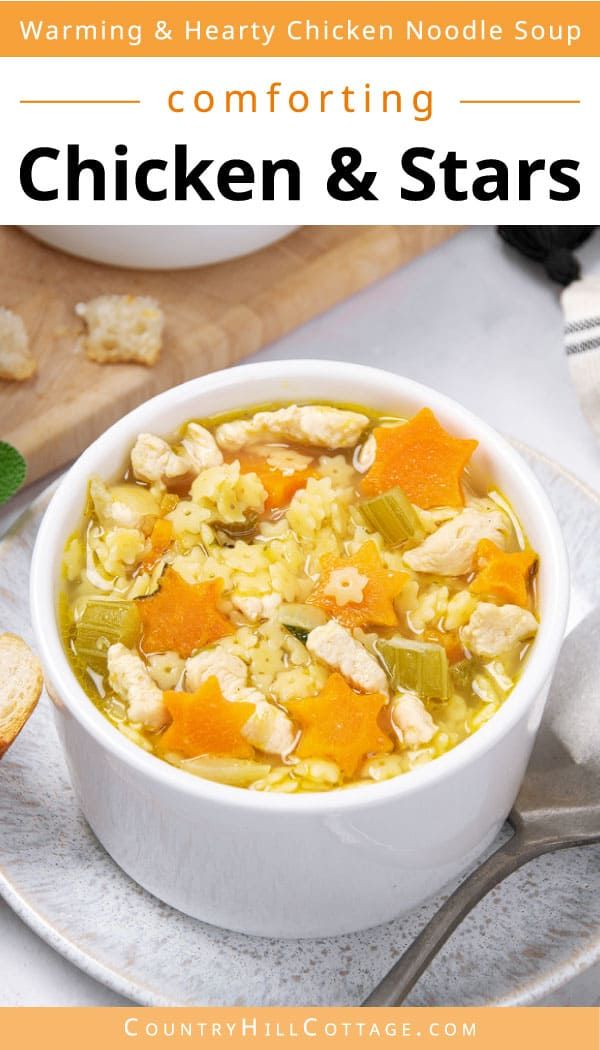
(558, 805)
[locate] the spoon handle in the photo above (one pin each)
(396, 985)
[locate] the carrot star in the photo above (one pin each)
(501, 575)
(280, 487)
(375, 606)
(341, 725)
(182, 616)
(423, 459)
(203, 723)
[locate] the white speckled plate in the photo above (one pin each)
(532, 934)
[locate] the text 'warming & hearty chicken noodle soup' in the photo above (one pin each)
(299, 598)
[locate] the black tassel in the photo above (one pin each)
(552, 246)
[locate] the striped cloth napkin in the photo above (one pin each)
(581, 306)
(554, 247)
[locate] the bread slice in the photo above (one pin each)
(16, 360)
(21, 684)
(122, 328)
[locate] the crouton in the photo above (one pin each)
(122, 328)
(20, 687)
(16, 360)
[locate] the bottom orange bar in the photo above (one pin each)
(554, 1028)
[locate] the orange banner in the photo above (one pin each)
(328, 28)
(301, 1028)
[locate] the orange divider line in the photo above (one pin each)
(80, 101)
(520, 101)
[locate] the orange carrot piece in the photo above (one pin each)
(182, 616)
(160, 541)
(280, 487)
(340, 725)
(501, 575)
(203, 723)
(450, 641)
(423, 459)
(383, 586)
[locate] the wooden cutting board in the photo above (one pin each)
(216, 316)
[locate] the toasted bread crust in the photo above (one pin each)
(21, 683)
(122, 328)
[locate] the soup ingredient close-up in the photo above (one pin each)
(299, 598)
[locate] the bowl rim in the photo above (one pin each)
(537, 670)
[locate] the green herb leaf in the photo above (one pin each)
(298, 632)
(13, 470)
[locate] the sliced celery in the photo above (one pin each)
(393, 515)
(104, 623)
(421, 667)
(300, 619)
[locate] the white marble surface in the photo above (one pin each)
(484, 327)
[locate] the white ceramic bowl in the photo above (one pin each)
(312, 864)
(159, 247)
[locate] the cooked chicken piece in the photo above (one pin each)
(310, 424)
(450, 550)
(153, 459)
(270, 729)
(337, 648)
(411, 720)
(128, 676)
(494, 629)
(259, 607)
(229, 670)
(201, 447)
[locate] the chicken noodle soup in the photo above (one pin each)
(299, 598)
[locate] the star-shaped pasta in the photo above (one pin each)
(346, 585)
(375, 605)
